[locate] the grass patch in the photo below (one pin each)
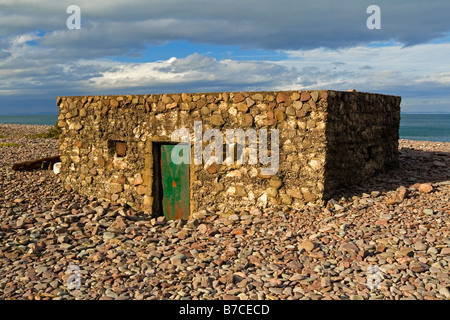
(52, 133)
(9, 144)
(3, 136)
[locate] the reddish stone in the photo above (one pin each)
(200, 104)
(138, 180)
(317, 255)
(121, 179)
(300, 113)
(402, 192)
(225, 96)
(294, 193)
(281, 98)
(349, 247)
(238, 98)
(216, 120)
(104, 110)
(279, 114)
(114, 103)
(213, 168)
(305, 96)
(78, 143)
(425, 188)
(229, 297)
(390, 201)
(248, 120)
(121, 148)
(238, 231)
(101, 161)
(242, 107)
(316, 285)
(141, 190)
(418, 267)
(183, 234)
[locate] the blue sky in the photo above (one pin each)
(159, 46)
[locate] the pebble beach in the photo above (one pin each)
(385, 239)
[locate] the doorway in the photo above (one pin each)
(170, 182)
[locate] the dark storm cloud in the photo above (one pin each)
(117, 26)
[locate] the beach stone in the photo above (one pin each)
(177, 259)
(63, 239)
(420, 246)
(402, 192)
(119, 225)
(305, 96)
(216, 120)
(418, 266)
(386, 216)
(425, 188)
(41, 269)
(138, 179)
(307, 245)
(445, 292)
(295, 96)
(65, 246)
(404, 253)
(108, 236)
(238, 97)
(349, 247)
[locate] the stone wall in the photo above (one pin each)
(362, 137)
(326, 139)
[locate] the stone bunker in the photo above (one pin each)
(118, 147)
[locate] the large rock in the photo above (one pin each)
(307, 245)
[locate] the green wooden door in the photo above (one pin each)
(175, 183)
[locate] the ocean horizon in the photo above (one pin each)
(413, 126)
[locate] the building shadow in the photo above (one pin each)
(415, 166)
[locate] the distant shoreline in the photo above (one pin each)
(39, 128)
(434, 127)
(56, 114)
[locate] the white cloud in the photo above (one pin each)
(197, 72)
(373, 67)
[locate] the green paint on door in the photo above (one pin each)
(175, 183)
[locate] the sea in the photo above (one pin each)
(425, 127)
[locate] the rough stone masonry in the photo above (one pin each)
(327, 139)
